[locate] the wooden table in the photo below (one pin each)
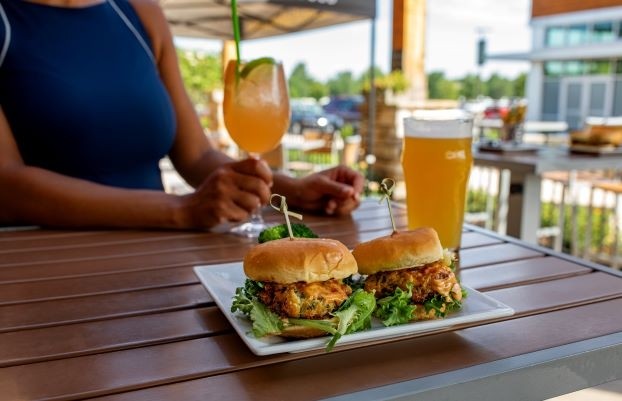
(524, 182)
(120, 315)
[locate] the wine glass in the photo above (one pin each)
(256, 113)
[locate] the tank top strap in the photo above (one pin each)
(6, 27)
(133, 29)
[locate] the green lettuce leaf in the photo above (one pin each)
(437, 301)
(265, 322)
(242, 300)
(245, 300)
(397, 308)
(354, 315)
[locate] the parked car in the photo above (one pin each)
(346, 107)
(310, 115)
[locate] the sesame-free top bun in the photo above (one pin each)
(287, 261)
(398, 251)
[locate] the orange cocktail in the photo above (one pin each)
(437, 160)
(256, 105)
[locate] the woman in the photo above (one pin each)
(91, 98)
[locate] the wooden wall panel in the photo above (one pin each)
(541, 8)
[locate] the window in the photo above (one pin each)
(555, 36)
(550, 100)
(617, 99)
(574, 68)
(603, 32)
(553, 68)
(577, 35)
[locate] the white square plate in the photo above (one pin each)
(221, 280)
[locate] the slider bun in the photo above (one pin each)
(399, 250)
(287, 261)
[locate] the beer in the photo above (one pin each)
(437, 160)
(256, 107)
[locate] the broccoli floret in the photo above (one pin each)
(280, 231)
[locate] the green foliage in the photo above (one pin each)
(477, 201)
(519, 85)
(395, 81)
(601, 234)
(302, 84)
(201, 73)
(344, 83)
(498, 87)
(347, 130)
(440, 87)
(366, 77)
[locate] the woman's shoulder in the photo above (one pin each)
(153, 19)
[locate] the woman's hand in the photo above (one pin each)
(335, 191)
(229, 194)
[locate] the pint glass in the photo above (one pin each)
(437, 160)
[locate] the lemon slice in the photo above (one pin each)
(251, 65)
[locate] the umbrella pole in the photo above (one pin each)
(371, 128)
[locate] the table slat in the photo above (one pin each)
(214, 356)
(57, 342)
(21, 345)
(407, 360)
(520, 272)
(74, 310)
(492, 254)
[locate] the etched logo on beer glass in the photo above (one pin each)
(437, 160)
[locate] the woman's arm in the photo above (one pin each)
(193, 154)
(31, 195)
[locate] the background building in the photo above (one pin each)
(576, 60)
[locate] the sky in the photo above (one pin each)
(452, 30)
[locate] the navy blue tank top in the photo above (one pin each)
(82, 93)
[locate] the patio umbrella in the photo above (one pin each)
(261, 18)
(264, 18)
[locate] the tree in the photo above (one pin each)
(498, 87)
(440, 87)
(201, 73)
(343, 84)
(301, 84)
(471, 86)
(520, 85)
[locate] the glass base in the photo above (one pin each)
(249, 229)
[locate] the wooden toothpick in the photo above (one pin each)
(386, 187)
(282, 207)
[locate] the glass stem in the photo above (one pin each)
(256, 217)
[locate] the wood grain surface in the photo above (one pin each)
(121, 315)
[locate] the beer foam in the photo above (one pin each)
(453, 123)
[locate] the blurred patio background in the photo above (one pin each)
(568, 81)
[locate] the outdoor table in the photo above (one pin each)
(120, 315)
(525, 180)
